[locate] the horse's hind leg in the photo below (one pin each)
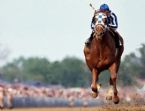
(110, 91)
(113, 71)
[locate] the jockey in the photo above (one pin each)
(112, 24)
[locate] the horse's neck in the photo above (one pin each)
(106, 41)
(99, 42)
(97, 45)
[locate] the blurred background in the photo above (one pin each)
(41, 52)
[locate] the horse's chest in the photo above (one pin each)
(102, 58)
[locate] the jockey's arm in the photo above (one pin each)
(93, 22)
(113, 23)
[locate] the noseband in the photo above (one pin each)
(103, 28)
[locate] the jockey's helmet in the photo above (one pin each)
(104, 7)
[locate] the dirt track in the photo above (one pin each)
(104, 108)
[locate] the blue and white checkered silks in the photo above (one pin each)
(100, 17)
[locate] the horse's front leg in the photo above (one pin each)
(113, 72)
(94, 84)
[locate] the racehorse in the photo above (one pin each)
(102, 54)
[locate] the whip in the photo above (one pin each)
(92, 6)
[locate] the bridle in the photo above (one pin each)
(102, 33)
(99, 17)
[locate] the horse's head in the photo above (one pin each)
(100, 24)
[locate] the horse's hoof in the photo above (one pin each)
(1, 107)
(116, 100)
(94, 94)
(109, 98)
(94, 88)
(10, 107)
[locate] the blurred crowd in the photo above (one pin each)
(19, 90)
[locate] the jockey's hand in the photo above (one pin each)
(92, 26)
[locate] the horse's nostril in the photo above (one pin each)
(99, 29)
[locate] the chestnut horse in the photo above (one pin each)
(102, 54)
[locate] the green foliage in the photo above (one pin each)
(132, 68)
(72, 71)
(68, 72)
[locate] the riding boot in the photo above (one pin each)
(88, 41)
(116, 36)
(117, 40)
